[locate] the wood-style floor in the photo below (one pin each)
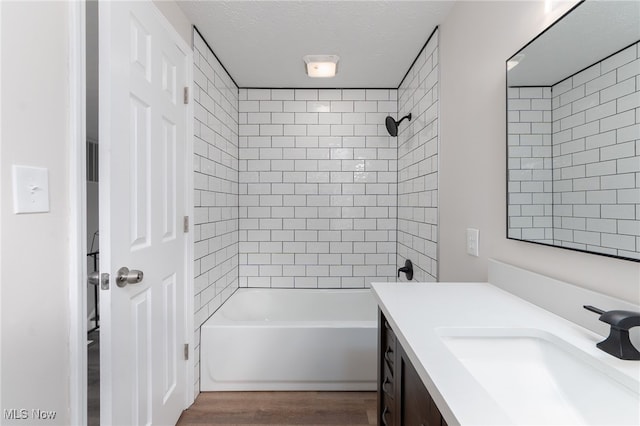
(282, 408)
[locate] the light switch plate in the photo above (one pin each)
(30, 189)
(473, 237)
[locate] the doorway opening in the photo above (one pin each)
(92, 209)
(93, 291)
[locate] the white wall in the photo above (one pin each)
(35, 257)
(476, 39)
(174, 14)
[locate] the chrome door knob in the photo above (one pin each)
(126, 276)
(94, 278)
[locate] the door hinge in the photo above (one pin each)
(185, 224)
(186, 351)
(186, 95)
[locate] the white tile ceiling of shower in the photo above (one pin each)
(318, 187)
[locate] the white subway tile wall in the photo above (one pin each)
(530, 164)
(215, 165)
(418, 165)
(596, 152)
(318, 188)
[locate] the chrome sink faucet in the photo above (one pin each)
(618, 343)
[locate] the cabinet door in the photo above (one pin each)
(386, 378)
(403, 399)
(415, 405)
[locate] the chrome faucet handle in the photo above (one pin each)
(618, 343)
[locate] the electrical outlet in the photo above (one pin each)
(473, 241)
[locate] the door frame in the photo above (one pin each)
(77, 215)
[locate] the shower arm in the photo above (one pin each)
(403, 118)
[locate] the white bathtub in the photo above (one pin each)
(291, 339)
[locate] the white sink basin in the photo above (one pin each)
(538, 378)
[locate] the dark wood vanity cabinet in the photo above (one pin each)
(403, 399)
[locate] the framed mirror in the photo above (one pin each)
(573, 132)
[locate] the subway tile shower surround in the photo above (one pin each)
(215, 165)
(304, 188)
(418, 165)
(594, 119)
(318, 188)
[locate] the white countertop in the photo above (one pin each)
(417, 310)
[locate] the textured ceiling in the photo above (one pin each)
(261, 43)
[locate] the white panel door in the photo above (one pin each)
(143, 70)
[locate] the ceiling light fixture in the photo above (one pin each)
(321, 66)
(548, 6)
(511, 63)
